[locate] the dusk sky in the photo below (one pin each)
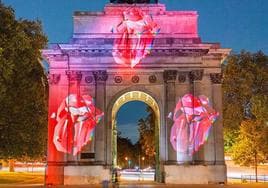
(236, 24)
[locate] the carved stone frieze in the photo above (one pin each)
(135, 79)
(182, 76)
(89, 79)
(152, 79)
(118, 79)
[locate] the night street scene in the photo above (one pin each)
(133, 93)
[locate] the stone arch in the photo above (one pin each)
(129, 95)
(136, 88)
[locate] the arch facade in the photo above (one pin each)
(179, 64)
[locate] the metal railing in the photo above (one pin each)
(252, 178)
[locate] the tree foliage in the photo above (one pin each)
(125, 149)
(147, 135)
(23, 87)
(246, 108)
(251, 147)
(245, 76)
(144, 148)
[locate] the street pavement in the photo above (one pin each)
(145, 185)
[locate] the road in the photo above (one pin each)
(137, 185)
(138, 176)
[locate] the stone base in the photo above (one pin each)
(79, 175)
(195, 174)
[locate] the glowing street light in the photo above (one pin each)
(127, 161)
(143, 158)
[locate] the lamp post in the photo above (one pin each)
(126, 159)
(143, 161)
(129, 161)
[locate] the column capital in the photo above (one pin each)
(216, 78)
(100, 75)
(170, 75)
(196, 75)
(74, 75)
(54, 78)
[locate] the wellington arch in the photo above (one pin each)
(88, 83)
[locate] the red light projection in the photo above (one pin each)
(137, 32)
(75, 121)
(193, 117)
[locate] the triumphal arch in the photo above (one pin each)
(135, 52)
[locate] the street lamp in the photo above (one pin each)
(126, 158)
(143, 161)
(129, 161)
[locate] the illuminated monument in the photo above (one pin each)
(135, 52)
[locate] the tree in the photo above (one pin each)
(147, 135)
(245, 75)
(251, 146)
(23, 87)
(125, 150)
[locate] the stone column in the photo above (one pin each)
(55, 159)
(195, 78)
(169, 104)
(183, 87)
(216, 79)
(74, 79)
(88, 88)
(209, 145)
(100, 131)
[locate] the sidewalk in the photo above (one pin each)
(147, 185)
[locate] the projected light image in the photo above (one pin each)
(75, 121)
(136, 35)
(193, 118)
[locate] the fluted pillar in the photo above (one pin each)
(216, 79)
(100, 77)
(195, 78)
(170, 97)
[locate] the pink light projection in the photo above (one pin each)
(193, 118)
(75, 121)
(136, 35)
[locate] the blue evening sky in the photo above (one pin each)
(128, 117)
(236, 24)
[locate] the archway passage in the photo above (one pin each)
(145, 164)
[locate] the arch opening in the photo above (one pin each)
(151, 102)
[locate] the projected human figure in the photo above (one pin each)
(193, 118)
